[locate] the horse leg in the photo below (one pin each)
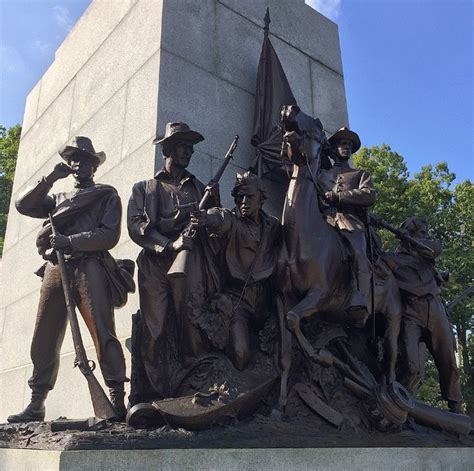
(285, 355)
(307, 306)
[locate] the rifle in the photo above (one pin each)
(378, 221)
(179, 267)
(103, 409)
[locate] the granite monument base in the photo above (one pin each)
(327, 459)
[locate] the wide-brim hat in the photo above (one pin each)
(179, 131)
(81, 145)
(346, 133)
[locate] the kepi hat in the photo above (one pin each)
(81, 145)
(246, 182)
(346, 133)
(178, 131)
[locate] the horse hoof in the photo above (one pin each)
(292, 320)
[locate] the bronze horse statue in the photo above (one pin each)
(315, 276)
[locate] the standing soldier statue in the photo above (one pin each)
(158, 214)
(87, 220)
(347, 193)
(424, 316)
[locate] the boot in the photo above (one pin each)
(34, 411)
(117, 396)
(358, 309)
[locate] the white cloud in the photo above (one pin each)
(329, 8)
(43, 47)
(62, 17)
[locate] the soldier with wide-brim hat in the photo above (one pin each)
(178, 132)
(347, 193)
(346, 133)
(158, 213)
(81, 146)
(89, 221)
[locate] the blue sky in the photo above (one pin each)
(408, 68)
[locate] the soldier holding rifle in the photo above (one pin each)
(424, 316)
(87, 220)
(251, 241)
(158, 212)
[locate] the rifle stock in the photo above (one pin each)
(378, 221)
(179, 267)
(103, 409)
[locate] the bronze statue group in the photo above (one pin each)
(250, 284)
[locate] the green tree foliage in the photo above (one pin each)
(450, 211)
(9, 142)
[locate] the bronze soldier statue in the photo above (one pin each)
(158, 212)
(347, 193)
(251, 241)
(424, 316)
(88, 222)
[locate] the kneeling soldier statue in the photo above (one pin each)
(252, 241)
(87, 220)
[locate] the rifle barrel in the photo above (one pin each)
(103, 409)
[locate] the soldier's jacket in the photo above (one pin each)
(249, 246)
(415, 272)
(153, 218)
(89, 216)
(356, 192)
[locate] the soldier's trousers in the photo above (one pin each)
(90, 292)
(249, 312)
(361, 264)
(425, 320)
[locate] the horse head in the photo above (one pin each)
(303, 137)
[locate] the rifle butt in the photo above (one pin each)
(180, 265)
(103, 408)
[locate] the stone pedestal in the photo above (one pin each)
(126, 68)
(272, 459)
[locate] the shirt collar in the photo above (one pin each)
(81, 185)
(164, 175)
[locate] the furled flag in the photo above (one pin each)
(272, 92)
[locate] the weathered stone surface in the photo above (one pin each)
(298, 24)
(26, 460)
(324, 459)
(18, 279)
(239, 43)
(15, 352)
(134, 40)
(188, 31)
(31, 108)
(92, 29)
(139, 126)
(329, 99)
(12, 397)
(35, 149)
(105, 128)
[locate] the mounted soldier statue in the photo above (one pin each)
(324, 212)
